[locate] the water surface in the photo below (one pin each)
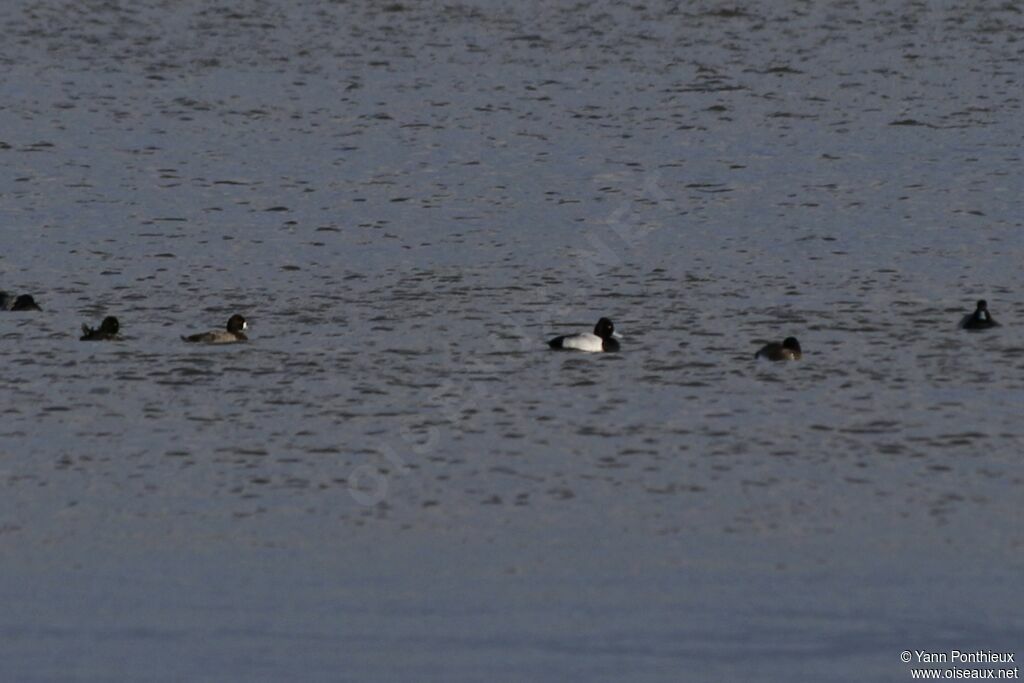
(395, 478)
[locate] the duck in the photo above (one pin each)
(789, 349)
(602, 339)
(981, 319)
(233, 333)
(107, 331)
(23, 302)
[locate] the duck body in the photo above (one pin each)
(233, 333)
(23, 302)
(107, 331)
(600, 340)
(788, 349)
(981, 319)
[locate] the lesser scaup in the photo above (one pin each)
(981, 319)
(789, 349)
(107, 330)
(24, 302)
(602, 339)
(236, 324)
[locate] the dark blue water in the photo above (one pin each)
(406, 201)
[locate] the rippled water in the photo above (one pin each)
(406, 201)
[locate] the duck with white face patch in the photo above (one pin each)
(233, 333)
(981, 319)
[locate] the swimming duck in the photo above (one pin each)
(602, 339)
(24, 302)
(233, 333)
(789, 349)
(107, 330)
(981, 319)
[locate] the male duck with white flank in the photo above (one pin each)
(602, 339)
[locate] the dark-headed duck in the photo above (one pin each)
(233, 333)
(602, 339)
(24, 302)
(107, 331)
(789, 349)
(981, 319)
